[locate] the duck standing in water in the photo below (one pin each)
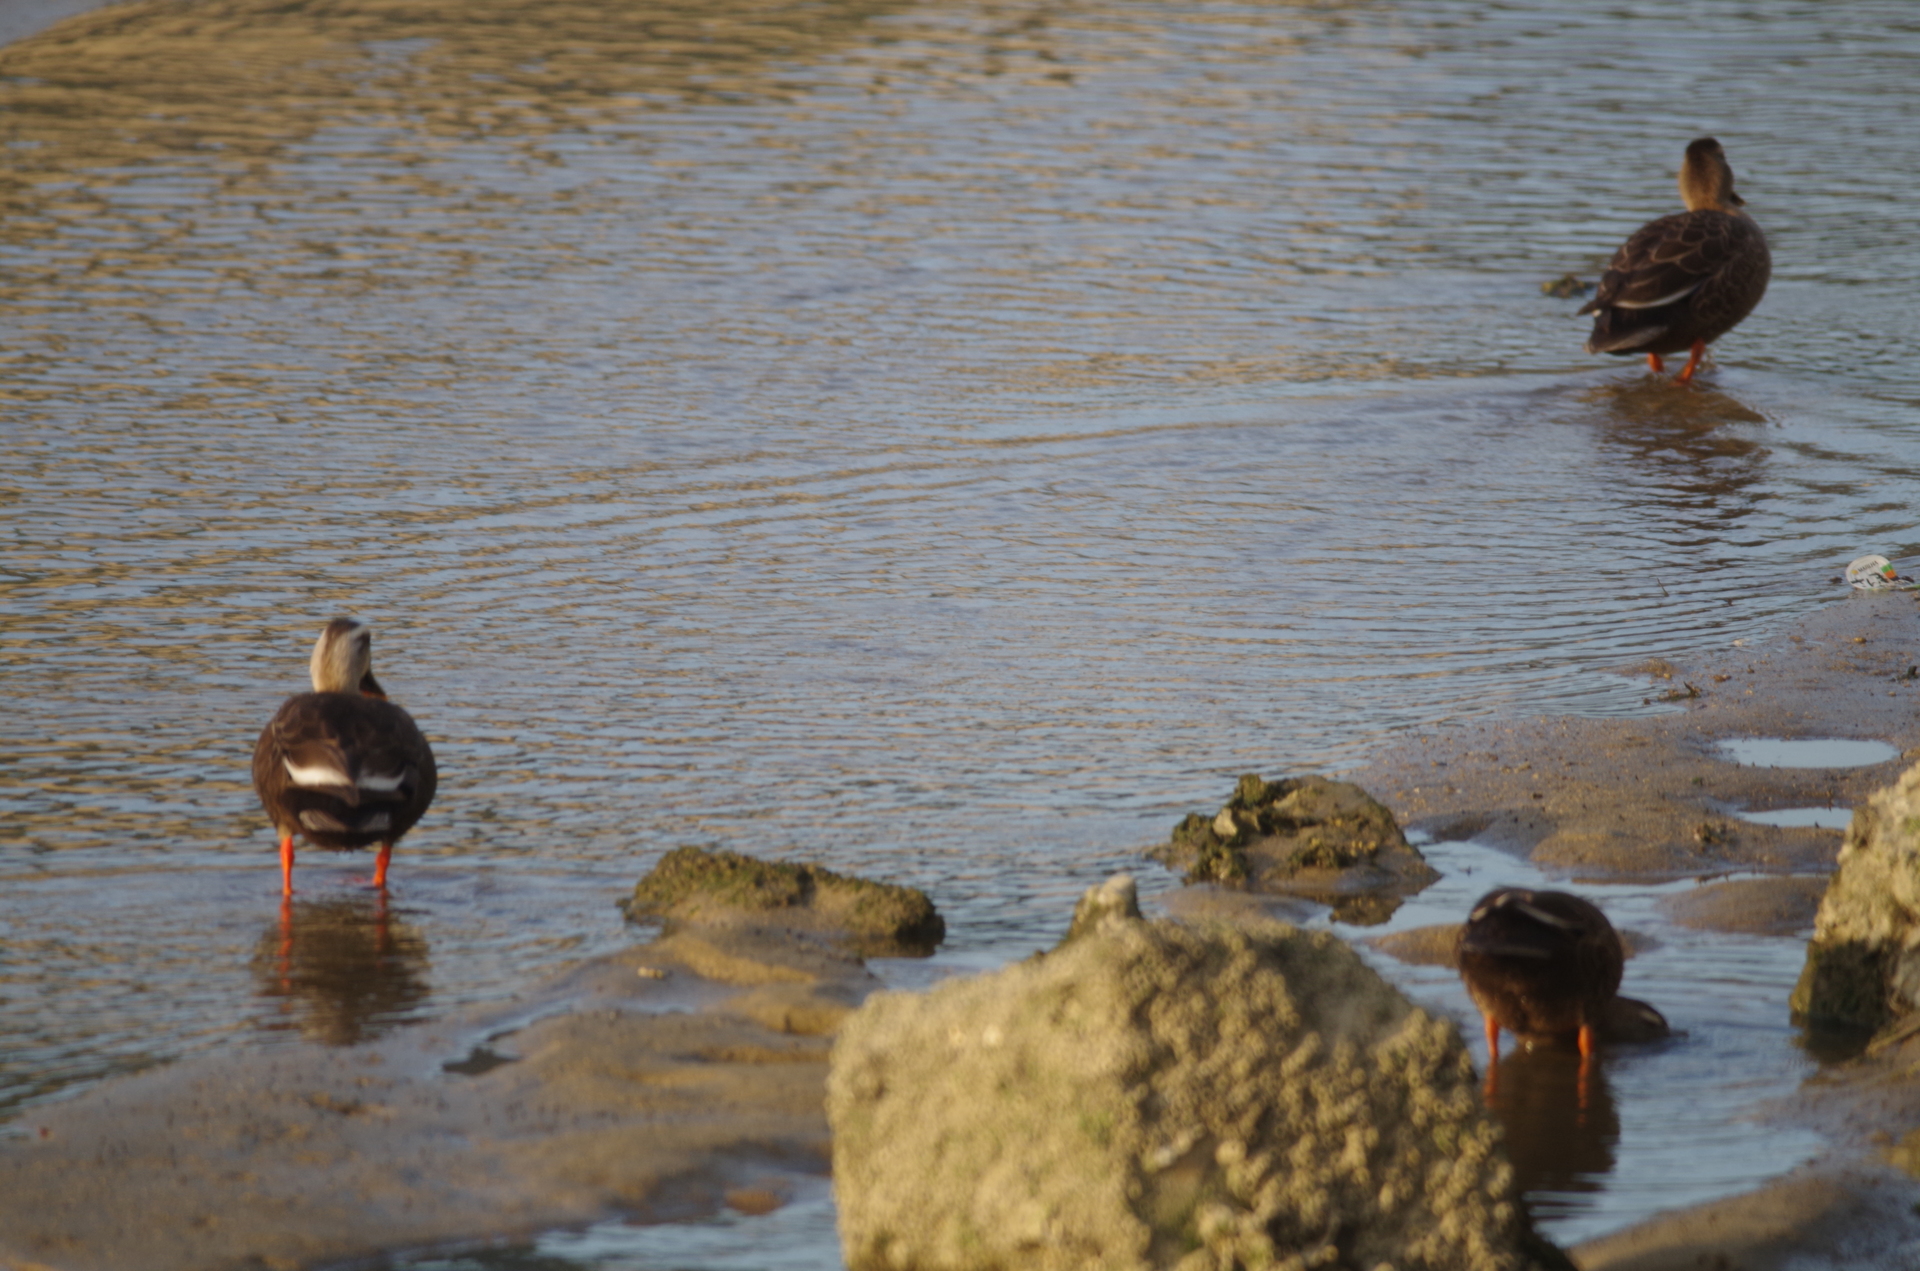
(1685, 280)
(1545, 965)
(342, 765)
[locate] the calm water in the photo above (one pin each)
(945, 441)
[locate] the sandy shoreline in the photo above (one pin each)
(710, 1049)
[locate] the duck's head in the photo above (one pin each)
(343, 659)
(1706, 182)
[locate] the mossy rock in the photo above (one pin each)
(702, 886)
(1863, 963)
(1152, 1094)
(1308, 836)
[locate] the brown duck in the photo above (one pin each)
(1540, 964)
(342, 766)
(1685, 280)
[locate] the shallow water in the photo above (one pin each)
(1807, 752)
(948, 442)
(1803, 818)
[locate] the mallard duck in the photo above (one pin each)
(1539, 964)
(1685, 280)
(342, 765)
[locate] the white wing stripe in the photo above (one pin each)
(382, 782)
(316, 775)
(1681, 294)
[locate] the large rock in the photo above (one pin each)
(695, 886)
(1863, 963)
(1151, 1094)
(1324, 840)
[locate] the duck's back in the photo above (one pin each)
(343, 769)
(1541, 962)
(1686, 277)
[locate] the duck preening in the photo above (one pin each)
(1685, 280)
(1545, 965)
(342, 766)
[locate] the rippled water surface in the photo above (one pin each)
(945, 441)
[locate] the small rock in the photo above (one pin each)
(1325, 840)
(697, 886)
(1116, 900)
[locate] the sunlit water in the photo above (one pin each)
(948, 442)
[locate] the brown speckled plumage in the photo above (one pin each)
(341, 766)
(1685, 280)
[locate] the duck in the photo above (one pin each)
(1540, 964)
(342, 766)
(1683, 281)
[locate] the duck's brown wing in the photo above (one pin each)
(1645, 297)
(343, 769)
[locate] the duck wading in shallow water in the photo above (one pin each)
(1545, 965)
(342, 765)
(1685, 280)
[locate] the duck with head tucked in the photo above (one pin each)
(342, 766)
(1546, 966)
(1683, 281)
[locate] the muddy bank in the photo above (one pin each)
(1656, 798)
(673, 1078)
(1653, 797)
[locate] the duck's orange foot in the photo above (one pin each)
(1693, 363)
(1654, 364)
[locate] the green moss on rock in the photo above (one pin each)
(702, 885)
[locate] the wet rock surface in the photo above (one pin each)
(1154, 1094)
(697, 886)
(1863, 963)
(1312, 837)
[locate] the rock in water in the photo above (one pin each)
(1151, 1094)
(1328, 841)
(694, 886)
(1863, 963)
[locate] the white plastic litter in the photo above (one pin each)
(1876, 573)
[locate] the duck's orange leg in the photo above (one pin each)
(1493, 1057)
(380, 866)
(286, 864)
(1586, 1065)
(1654, 363)
(1693, 363)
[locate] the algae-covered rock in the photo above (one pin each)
(1152, 1094)
(1863, 963)
(695, 885)
(1305, 836)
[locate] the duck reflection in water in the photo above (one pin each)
(343, 970)
(1560, 1123)
(1546, 966)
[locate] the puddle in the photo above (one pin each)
(1668, 1124)
(1802, 818)
(798, 1236)
(1806, 752)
